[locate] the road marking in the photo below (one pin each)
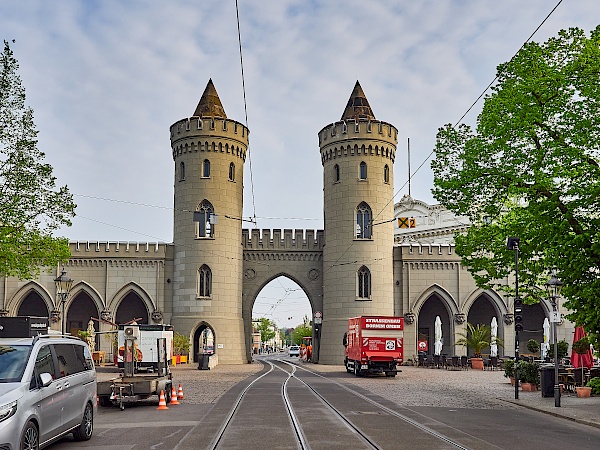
(183, 423)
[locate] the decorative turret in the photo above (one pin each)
(357, 154)
(209, 151)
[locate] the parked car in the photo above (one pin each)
(47, 390)
(294, 350)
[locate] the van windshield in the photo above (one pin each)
(13, 359)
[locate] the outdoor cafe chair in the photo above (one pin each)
(429, 361)
(443, 362)
(436, 361)
(455, 362)
(492, 363)
(464, 363)
(421, 360)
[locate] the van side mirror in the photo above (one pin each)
(345, 340)
(46, 379)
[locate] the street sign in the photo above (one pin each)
(318, 317)
(554, 317)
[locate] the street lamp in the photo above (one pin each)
(63, 287)
(553, 287)
(512, 243)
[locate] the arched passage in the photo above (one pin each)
(434, 306)
(481, 312)
(204, 340)
(80, 310)
(33, 305)
(132, 307)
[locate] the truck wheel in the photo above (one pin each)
(104, 401)
(168, 394)
(356, 369)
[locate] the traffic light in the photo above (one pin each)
(518, 314)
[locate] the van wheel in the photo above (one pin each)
(84, 431)
(30, 439)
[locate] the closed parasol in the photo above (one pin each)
(438, 336)
(494, 337)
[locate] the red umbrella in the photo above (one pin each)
(584, 360)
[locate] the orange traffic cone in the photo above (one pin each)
(162, 403)
(180, 393)
(173, 396)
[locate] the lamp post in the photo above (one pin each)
(63, 288)
(512, 243)
(553, 287)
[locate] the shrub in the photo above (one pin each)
(509, 368)
(181, 344)
(581, 346)
(594, 383)
(563, 349)
(533, 346)
(529, 372)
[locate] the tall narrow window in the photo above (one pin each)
(336, 173)
(204, 281)
(364, 283)
(363, 171)
(181, 171)
(206, 168)
(386, 174)
(363, 221)
(231, 172)
(205, 229)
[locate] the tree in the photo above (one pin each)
(266, 329)
(531, 169)
(299, 332)
(477, 338)
(31, 207)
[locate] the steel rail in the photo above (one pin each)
(390, 411)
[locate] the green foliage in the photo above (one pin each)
(477, 338)
(509, 368)
(31, 207)
(531, 169)
(181, 344)
(265, 327)
(563, 349)
(300, 332)
(529, 372)
(533, 346)
(594, 383)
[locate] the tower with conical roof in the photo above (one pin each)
(357, 154)
(209, 151)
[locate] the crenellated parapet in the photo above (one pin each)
(407, 250)
(98, 249)
(304, 240)
(209, 134)
(335, 140)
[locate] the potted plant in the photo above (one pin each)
(563, 349)
(477, 338)
(594, 385)
(181, 348)
(509, 370)
(533, 346)
(529, 374)
(581, 347)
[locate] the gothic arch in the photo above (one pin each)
(492, 296)
(443, 295)
(196, 338)
(84, 286)
(23, 292)
(122, 293)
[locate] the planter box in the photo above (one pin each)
(583, 392)
(528, 387)
(183, 359)
(477, 363)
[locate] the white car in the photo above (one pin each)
(294, 350)
(47, 390)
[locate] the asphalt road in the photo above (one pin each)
(263, 423)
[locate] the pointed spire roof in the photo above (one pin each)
(210, 104)
(358, 106)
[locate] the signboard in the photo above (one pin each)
(554, 316)
(382, 323)
(382, 344)
(318, 318)
(407, 222)
(423, 346)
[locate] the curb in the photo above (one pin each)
(552, 413)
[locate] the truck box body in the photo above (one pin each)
(146, 344)
(374, 344)
(23, 326)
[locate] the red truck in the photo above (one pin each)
(374, 344)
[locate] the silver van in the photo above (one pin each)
(47, 390)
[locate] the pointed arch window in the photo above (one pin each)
(206, 169)
(363, 221)
(386, 174)
(362, 173)
(204, 228)
(363, 284)
(231, 172)
(336, 173)
(181, 171)
(204, 281)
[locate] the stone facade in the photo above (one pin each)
(208, 279)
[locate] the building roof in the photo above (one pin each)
(210, 104)
(358, 107)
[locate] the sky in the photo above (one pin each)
(106, 79)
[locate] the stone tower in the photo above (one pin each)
(357, 154)
(209, 151)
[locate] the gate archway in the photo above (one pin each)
(204, 340)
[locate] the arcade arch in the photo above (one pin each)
(31, 298)
(432, 307)
(33, 305)
(130, 308)
(204, 340)
(79, 311)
